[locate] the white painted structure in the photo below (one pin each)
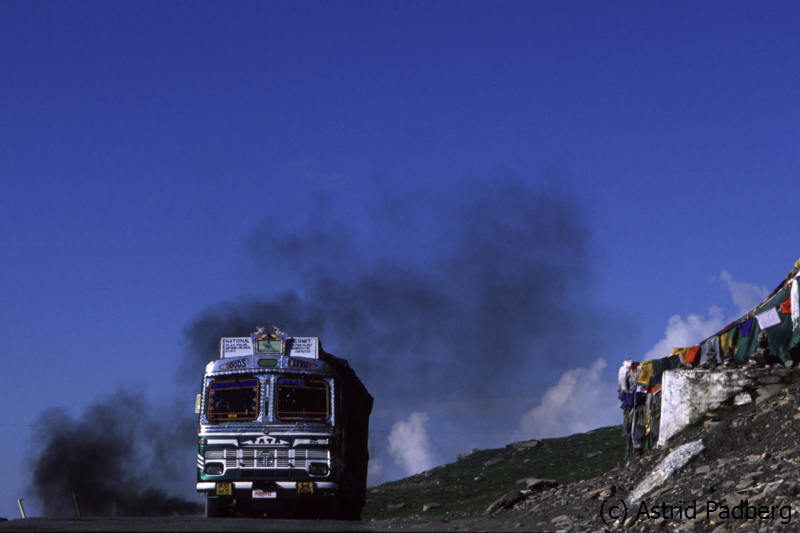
(688, 395)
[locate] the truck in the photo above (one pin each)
(283, 430)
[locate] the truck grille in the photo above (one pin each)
(283, 458)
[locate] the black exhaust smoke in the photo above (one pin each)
(117, 457)
(489, 299)
(490, 295)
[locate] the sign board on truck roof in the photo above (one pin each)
(295, 347)
(235, 346)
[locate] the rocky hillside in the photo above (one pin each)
(470, 484)
(741, 473)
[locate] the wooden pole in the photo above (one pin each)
(78, 507)
(21, 510)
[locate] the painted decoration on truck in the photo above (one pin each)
(299, 363)
(268, 343)
(236, 364)
(265, 440)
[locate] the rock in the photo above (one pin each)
(429, 473)
(742, 399)
(674, 461)
(714, 434)
(429, 506)
(392, 507)
(492, 462)
(536, 484)
(462, 455)
(733, 499)
(592, 454)
(480, 478)
(524, 444)
(506, 502)
(603, 492)
(608, 493)
(769, 490)
(766, 392)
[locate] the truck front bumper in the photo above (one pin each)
(266, 492)
(210, 487)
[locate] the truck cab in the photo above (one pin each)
(283, 430)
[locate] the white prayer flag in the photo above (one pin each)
(768, 318)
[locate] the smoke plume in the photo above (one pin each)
(495, 279)
(117, 457)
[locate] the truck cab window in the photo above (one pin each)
(303, 399)
(233, 399)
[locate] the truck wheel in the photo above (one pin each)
(344, 512)
(214, 509)
(350, 514)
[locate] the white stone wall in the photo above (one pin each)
(687, 396)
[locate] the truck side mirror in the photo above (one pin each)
(197, 404)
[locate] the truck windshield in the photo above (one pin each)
(232, 399)
(302, 399)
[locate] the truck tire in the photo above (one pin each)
(352, 515)
(214, 509)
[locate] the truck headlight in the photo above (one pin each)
(317, 469)
(214, 469)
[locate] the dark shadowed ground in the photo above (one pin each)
(478, 523)
(177, 524)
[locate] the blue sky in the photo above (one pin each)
(162, 162)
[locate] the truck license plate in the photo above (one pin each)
(305, 487)
(264, 493)
(224, 489)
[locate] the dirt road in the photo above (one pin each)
(478, 523)
(177, 524)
